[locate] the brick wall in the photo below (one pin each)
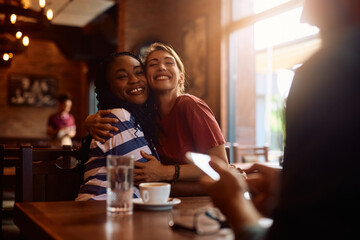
(141, 21)
(42, 58)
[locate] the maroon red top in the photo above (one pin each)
(190, 126)
(56, 121)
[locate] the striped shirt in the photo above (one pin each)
(128, 141)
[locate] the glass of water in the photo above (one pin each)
(120, 184)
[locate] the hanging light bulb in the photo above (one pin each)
(6, 57)
(42, 3)
(40, 19)
(18, 34)
(49, 14)
(26, 41)
(13, 18)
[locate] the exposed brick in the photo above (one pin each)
(41, 58)
(142, 21)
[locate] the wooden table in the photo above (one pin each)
(246, 165)
(88, 220)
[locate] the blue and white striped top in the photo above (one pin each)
(129, 140)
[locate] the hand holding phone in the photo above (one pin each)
(202, 162)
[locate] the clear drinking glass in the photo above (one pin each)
(120, 184)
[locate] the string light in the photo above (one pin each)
(42, 3)
(13, 18)
(49, 14)
(18, 34)
(6, 57)
(19, 41)
(26, 41)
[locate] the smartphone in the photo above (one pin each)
(202, 162)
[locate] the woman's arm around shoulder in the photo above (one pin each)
(100, 126)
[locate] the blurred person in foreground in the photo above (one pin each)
(319, 186)
(61, 125)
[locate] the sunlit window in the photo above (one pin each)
(263, 5)
(244, 8)
(264, 54)
(281, 28)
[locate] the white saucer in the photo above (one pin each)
(156, 206)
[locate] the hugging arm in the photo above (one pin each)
(98, 126)
(219, 151)
(153, 170)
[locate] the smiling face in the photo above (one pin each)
(163, 73)
(127, 79)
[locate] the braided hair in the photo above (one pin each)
(144, 114)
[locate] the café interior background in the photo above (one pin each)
(222, 42)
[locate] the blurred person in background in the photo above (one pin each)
(61, 126)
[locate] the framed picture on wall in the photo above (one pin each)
(32, 90)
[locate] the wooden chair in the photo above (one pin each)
(42, 174)
(250, 153)
(227, 149)
(9, 158)
(47, 174)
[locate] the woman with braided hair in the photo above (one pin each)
(120, 79)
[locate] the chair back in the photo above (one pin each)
(48, 174)
(9, 158)
(41, 174)
(228, 155)
(250, 153)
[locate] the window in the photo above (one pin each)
(93, 102)
(266, 43)
(263, 5)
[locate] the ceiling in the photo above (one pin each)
(74, 13)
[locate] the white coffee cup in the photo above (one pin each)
(155, 192)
